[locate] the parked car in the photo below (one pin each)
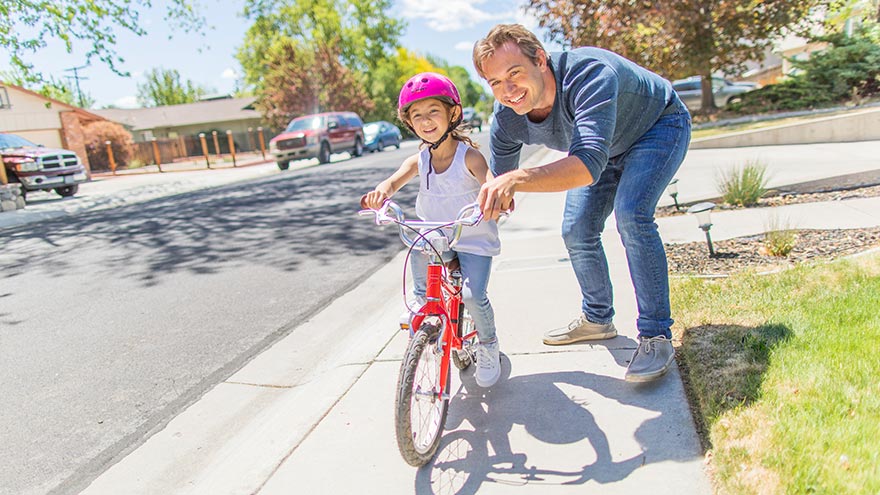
(36, 167)
(724, 91)
(318, 136)
(379, 134)
(471, 118)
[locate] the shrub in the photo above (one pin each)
(848, 69)
(97, 134)
(780, 238)
(743, 186)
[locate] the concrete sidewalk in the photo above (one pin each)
(561, 420)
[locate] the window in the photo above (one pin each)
(4, 98)
(353, 121)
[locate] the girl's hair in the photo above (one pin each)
(456, 134)
(499, 35)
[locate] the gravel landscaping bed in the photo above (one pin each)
(749, 252)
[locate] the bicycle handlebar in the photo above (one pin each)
(470, 215)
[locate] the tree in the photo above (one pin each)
(677, 37)
(26, 26)
(390, 75)
(359, 30)
(164, 87)
(358, 34)
(305, 81)
(66, 92)
(471, 93)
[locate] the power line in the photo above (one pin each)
(76, 77)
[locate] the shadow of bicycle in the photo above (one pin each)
(476, 448)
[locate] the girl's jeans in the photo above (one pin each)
(631, 185)
(475, 274)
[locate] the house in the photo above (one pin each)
(188, 119)
(43, 120)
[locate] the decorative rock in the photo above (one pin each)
(11, 198)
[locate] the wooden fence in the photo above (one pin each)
(188, 147)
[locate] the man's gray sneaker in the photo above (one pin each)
(488, 364)
(651, 359)
(579, 330)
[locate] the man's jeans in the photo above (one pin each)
(632, 184)
(475, 274)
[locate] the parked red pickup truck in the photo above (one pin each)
(317, 136)
(39, 168)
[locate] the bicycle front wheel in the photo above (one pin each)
(420, 413)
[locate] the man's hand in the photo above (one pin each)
(496, 196)
(373, 200)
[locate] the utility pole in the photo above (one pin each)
(76, 77)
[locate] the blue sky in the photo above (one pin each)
(448, 32)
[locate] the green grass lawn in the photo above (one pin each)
(783, 372)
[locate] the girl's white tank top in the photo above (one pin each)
(442, 196)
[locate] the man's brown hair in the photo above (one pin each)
(502, 33)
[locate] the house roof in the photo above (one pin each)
(202, 112)
(85, 114)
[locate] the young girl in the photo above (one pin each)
(451, 171)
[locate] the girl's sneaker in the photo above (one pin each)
(488, 364)
(406, 317)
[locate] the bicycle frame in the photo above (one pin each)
(443, 289)
(443, 295)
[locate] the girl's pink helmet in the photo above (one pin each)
(427, 85)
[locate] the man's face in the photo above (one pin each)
(515, 80)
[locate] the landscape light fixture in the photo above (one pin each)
(672, 190)
(703, 213)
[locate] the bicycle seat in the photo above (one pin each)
(452, 265)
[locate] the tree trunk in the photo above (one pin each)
(707, 103)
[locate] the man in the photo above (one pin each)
(626, 134)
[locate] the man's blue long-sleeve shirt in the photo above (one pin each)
(604, 104)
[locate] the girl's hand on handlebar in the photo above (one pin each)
(373, 200)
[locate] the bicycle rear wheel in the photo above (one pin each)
(464, 357)
(420, 414)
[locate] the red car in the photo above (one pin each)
(38, 168)
(317, 136)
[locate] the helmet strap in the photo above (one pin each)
(433, 146)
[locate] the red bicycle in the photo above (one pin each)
(444, 334)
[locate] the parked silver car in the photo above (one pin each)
(724, 91)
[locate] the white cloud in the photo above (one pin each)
(126, 102)
(229, 73)
(453, 15)
(464, 46)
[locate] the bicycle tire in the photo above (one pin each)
(419, 415)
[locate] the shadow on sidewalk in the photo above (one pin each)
(539, 405)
